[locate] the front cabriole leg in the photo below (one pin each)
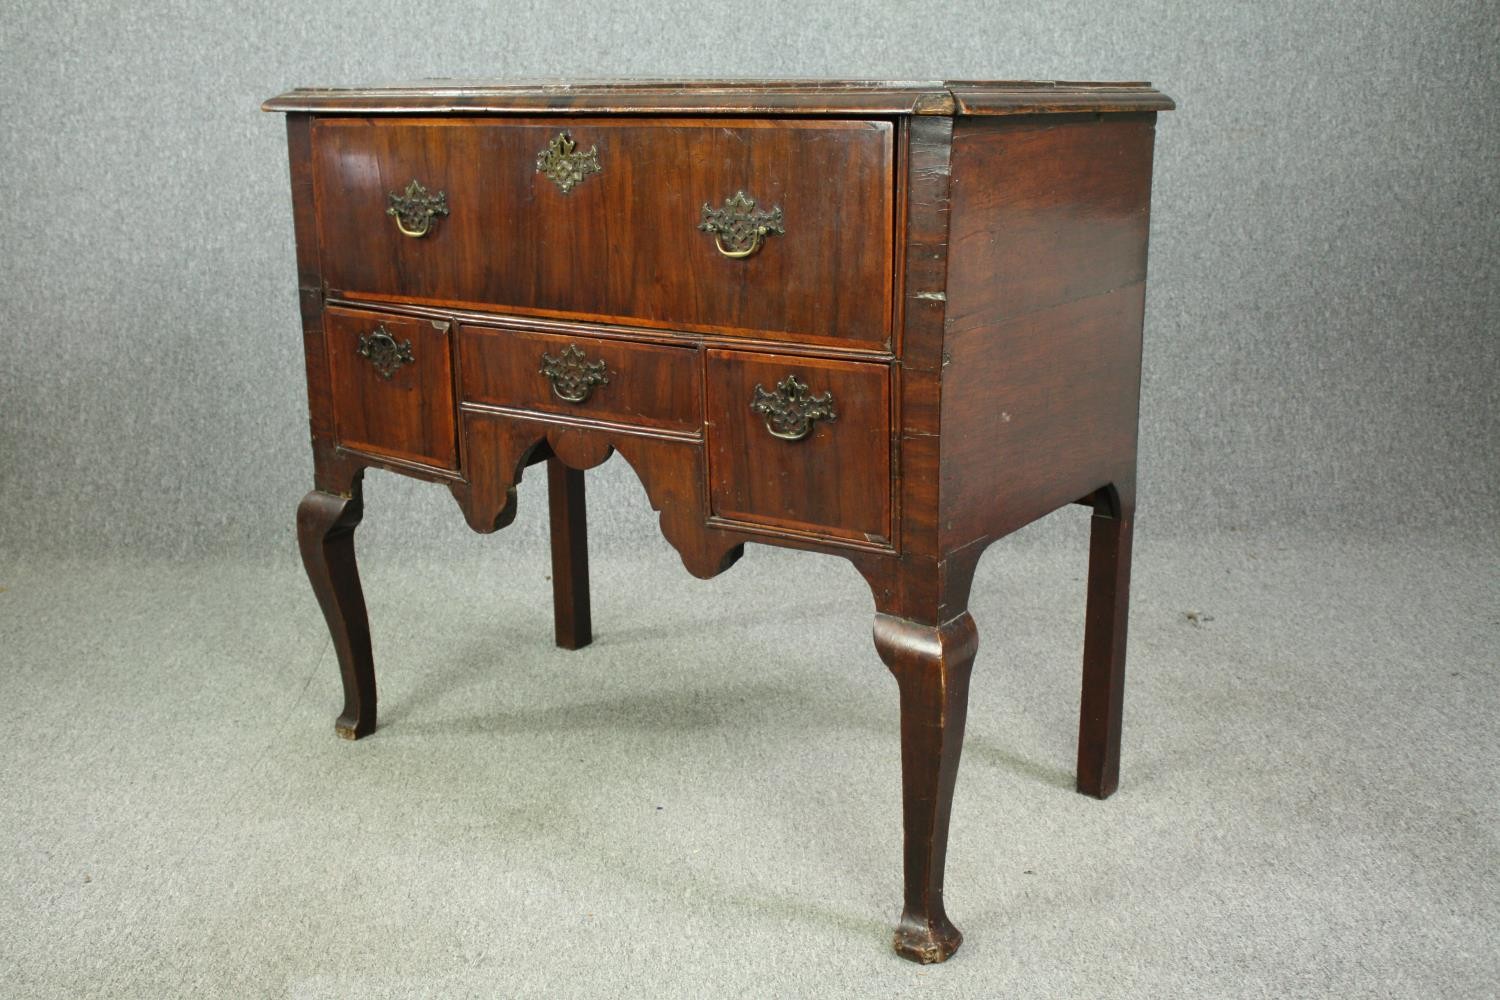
(325, 533)
(932, 665)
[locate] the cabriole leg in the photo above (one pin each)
(932, 666)
(570, 556)
(325, 533)
(1104, 645)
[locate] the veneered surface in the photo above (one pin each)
(648, 385)
(623, 245)
(408, 416)
(836, 480)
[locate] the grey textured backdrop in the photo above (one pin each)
(1322, 315)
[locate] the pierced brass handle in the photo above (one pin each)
(792, 409)
(384, 351)
(414, 208)
(572, 375)
(740, 226)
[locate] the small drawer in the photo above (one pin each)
(644, 385)
(775, 229)
(392, 385)
(801, 443)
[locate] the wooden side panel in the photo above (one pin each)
(836, 480)
(623, 244)
(309, 282)
(1046, 211)
(1046, 292)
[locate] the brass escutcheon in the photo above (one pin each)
(384, 351)
(564, 165)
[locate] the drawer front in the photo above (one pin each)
(392, 384)
(801, 443)
(612, 380)
(624, 242)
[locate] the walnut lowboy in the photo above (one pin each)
(891, 321)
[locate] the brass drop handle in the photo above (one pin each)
(792, 409)
(740, 226)
(383, 351)
(414, 233)
(414, 208)
(755, 241)
(572, 375)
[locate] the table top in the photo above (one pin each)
(662, 96)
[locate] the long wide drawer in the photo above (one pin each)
(781, 230)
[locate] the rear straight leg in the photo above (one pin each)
(325, 534)
(570, 556)
(1104, 642)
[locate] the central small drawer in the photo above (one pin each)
(644, 385)
(772, 229)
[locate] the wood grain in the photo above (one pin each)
(1106, 623)
(325, 535)
(572, 612)
(649, 386)
(837, 480)
(624, 243)
(915, 590)
(409, 415)
(732, 97)
(1045, 301)
(932, 667)
(963, 270)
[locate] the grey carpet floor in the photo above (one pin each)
(705, 803)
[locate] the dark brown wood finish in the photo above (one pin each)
(962, 274)
(1106, 618)
(1022, 97)
(402, 406)
(622, 243)
(325, 534)
(502, 444)
(916, 589)
(725, 97)
(1045, 300)
(626, 96)
(932, 666)
(648, 386)
(571, 613)
(836, 479)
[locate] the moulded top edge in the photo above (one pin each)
(810, 97)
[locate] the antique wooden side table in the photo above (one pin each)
(892, 321)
